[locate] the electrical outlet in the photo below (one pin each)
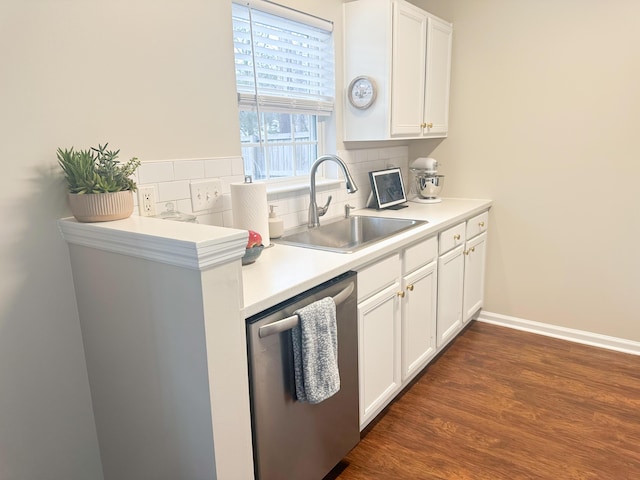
(205, 193)
(147, 201)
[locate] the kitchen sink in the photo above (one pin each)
(348, 235)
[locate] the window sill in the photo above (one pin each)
(300, 186)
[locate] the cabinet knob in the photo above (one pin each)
(423, 125)
(401, 294)
(466, 252)
(481, 224)
(473, 249)
(456, 237)
(429, 125)
(410, 287)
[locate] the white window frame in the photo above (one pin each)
(259, 99)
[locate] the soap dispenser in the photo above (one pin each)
(276, 225)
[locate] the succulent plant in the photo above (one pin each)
(97, 170)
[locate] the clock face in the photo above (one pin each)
(362, 92)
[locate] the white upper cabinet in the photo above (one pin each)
(406, 53)
(408, 70)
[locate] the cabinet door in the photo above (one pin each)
(474, 267)
(450, 285)
(408, 69)
(378, 351)
(418, 320)
(438, 72)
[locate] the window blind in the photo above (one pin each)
(282, 64)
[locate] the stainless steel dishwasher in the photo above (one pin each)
(294, 440)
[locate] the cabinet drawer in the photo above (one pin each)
(377, 276)
(477, 224)
(452, 237)
(420, 254)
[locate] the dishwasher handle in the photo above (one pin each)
(290, 322)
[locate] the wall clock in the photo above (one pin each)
(362, 92)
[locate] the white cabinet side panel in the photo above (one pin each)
(228, 373)
(367, 51)
(143, 333)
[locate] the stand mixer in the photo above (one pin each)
(426, 184)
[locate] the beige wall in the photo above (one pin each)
(545, 112)
(545, 101)
(154, 78)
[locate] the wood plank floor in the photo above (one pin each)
(505, 404)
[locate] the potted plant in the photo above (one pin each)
(100, 187)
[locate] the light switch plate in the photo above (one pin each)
(205, 193)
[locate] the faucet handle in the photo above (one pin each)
(323, 210)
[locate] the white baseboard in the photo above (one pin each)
(577, 336)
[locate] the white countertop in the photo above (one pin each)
(283, 271)
(189, 245)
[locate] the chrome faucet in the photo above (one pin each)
(315, 212)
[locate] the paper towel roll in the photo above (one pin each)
(249, 208)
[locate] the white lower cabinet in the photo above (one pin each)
(396, 323)
(474, 264)
(419, 320)
(450, 295)
(379, 351)
(450, 283)
(411, 304)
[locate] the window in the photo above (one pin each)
(285, 81)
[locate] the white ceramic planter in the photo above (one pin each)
(101, 207)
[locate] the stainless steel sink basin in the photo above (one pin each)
(348, 234)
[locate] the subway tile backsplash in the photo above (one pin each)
(188, 170)
(172, 181)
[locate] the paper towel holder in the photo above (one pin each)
(248, 199)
